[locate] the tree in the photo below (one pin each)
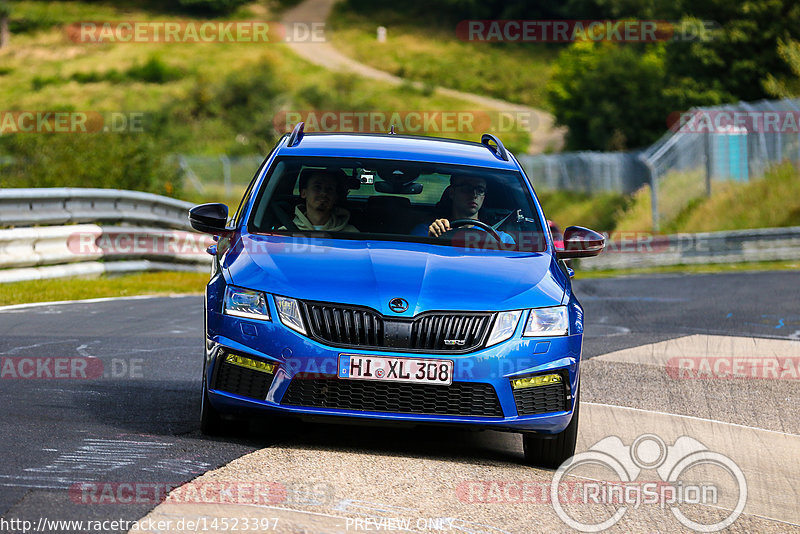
(610, 97)
(786, 86)
(743, 51)
(211, 7)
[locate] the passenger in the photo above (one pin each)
(463, 200)
(321, 189)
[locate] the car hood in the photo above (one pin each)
(371, 273)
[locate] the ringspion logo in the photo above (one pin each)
(679, 485)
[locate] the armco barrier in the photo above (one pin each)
(59, 251)
(737, 246)
(68, 205)
(45, 235)
(52, 245)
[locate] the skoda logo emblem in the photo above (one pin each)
(398, 305)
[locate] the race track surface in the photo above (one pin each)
(71, 443)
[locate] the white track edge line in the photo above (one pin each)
(692, 417)
(12, 307)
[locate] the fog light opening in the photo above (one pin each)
(535, 381)
(249, 363)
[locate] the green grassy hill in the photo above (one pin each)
(425, 52)
(199, 98)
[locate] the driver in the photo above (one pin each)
(321, 190)
(465, 197)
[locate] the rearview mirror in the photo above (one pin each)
(396, 188)
(580, 242)
(209, 218)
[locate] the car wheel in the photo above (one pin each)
(553, 451)
(211, 423)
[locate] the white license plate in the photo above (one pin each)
(421, 370)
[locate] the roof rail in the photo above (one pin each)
(499, 150)
(296, 135)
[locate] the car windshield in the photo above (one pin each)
(488, 209)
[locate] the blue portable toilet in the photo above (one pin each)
(730, 154)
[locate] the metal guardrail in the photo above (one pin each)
(47, 239)
(84, 249)
(51, 245)
(737, 246)
(67, 205)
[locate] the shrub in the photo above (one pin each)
(154, 70)
(125, 161)
(214, 7)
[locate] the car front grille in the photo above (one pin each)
(433, 331)
(460, 398)
(344, 325)
(356, 327)
(541, 399)
(241, 381)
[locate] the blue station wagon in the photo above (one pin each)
(392, 278)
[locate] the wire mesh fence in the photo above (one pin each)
(219, 175)
(732, 143)
(586, 172)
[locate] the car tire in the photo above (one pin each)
(551, 452)
(211, 423)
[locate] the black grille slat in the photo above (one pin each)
(356, 327)
(460, 398)
(429, 332)
(240, 381)
(541, 399)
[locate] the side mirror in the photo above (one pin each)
(580, 242)
(209, 218)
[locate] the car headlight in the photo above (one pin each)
(289, 313)
(547, 322)
(247, 303)
(504, 326)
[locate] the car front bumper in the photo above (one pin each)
(296, 357)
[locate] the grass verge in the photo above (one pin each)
(517, 73)
(157, 283)
(713, 268)
(597, 212)
(771, 201)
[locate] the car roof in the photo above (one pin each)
(397, 147)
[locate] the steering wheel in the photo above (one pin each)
(472, 222)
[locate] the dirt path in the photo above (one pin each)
(542, 130)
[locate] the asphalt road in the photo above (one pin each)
(134, 418)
